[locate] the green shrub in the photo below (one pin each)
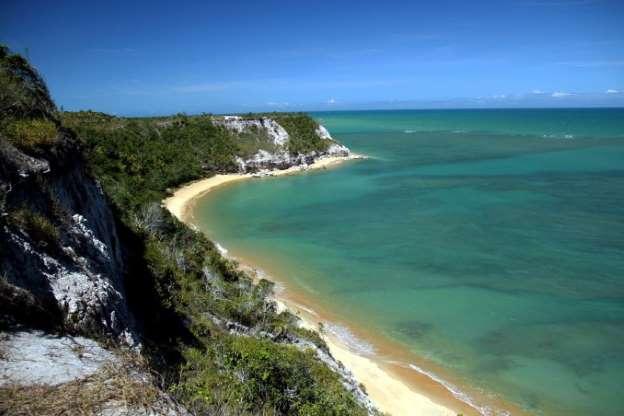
(30, 133)
(23, 93)
(302, 131)
(261, 377)
(38, 227)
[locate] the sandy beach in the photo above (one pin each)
(388, 392)
(180, 203)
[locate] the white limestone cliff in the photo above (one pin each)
(280, 157)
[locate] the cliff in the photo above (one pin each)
(100, 288)
(59, 242)
(274, 144)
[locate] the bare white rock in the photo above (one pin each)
(276, 132)
(36, 358)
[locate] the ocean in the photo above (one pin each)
(489, 243)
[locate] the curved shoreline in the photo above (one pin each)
(388, 390)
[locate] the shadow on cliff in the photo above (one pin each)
(162, 329)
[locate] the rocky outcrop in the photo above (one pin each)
(279, 157)
(59, 243)
(37, 358)
(275, 132)
(66, 374)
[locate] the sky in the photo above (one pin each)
(152, 57)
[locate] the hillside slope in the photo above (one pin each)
(87, 251)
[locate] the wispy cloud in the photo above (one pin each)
(277, 104)
(560, 94)
(612, 91)
(593, 64)
(331, 101)
(325, 53)
(277, 84)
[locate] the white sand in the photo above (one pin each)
(388, 393)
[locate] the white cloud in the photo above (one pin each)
(331, 101)
(612, 91)
(499, 96)
(560, 94)
(537, 92)
(277, 104)
(594, 64)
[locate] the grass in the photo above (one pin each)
(117, 384)
(38, 227)
(31, 133)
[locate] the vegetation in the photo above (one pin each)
(23, 92)
(118, 382)
(30, 133)
(27, 112)
(302, 131)
(138, 159)
(258, 373)
(214, 335)
(37, 226)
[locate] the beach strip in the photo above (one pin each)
(180, 203)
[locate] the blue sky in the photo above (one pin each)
(151, 57)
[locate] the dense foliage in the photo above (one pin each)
(23, 92)
(302, 131)
(214, 335)
(138, 159)
(28, 115)
(180, 282)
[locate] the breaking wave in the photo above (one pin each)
(458, 394)
(346, 337)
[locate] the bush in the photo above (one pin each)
(38, 227)
(23, 91)
(302, 131)
(261, 377)
(30, 133)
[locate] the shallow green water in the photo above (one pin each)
(491, 242)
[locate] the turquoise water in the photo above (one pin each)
(490, 242)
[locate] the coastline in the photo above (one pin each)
(181, 202)
(389, 392)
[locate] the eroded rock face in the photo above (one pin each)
(280, 158)
(264, 160)
(277, 133)
(77, 273)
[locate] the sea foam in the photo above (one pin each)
(346, 337)
(458, 394)
(222, 250)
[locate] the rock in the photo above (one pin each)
(77, 275)
(68, 373)
(276, 132)
(323, 133)
(279, 158)
(36, 358)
